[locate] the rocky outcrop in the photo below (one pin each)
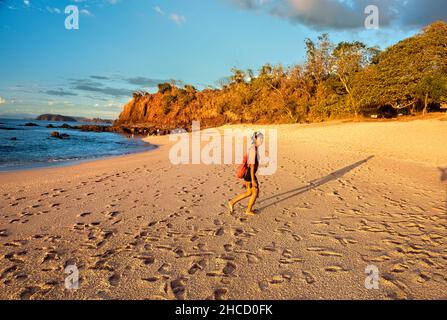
(128, 130)
(58, 135)
(170, 108)
(56, 117)
(60, 118)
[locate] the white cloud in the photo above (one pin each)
(175, 17)
(159, 11)
(54, 10)
(86, 12)
(178, 19)
(348, 14)
(2, 100)
(26, 2)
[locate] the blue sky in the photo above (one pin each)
(127, 45)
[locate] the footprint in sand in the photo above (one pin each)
(113, 214)
(229, 269)
(270, 247)
(166, 268)
(147, 260)
(308, 277)
(220, 293)
(114, 279)
(85, 214)
(178, 288)
(220, 231)
(8, 271)
(28, 293)
(197, 266)
(151, 279)
(263, 285)
(15, 256)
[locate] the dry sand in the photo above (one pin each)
(138, 227)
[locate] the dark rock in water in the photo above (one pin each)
(85, 127)
(30, 124)
(50, 126)
(141, 130)
(94, 128)
(57, 135)
(13, 139)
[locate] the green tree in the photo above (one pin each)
(397, 76)
(319, 58)
(432, 89)
(350, 58)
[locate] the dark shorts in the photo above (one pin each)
(247, 178)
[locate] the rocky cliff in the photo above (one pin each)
(168, 109)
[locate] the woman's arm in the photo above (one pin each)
(252, 168)
(252, 175)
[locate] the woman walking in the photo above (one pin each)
(251, 181)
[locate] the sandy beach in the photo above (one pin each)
(345, 196)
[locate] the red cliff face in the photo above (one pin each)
(174, 108)
(136, 112)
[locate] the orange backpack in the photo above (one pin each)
(242, 169)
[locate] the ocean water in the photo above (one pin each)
(24, 147)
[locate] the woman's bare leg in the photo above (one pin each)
(251, 203)
(240, 197)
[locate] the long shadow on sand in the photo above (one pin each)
(312, 184)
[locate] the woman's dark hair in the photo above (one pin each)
(255, 136)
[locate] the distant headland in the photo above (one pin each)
(58, 117)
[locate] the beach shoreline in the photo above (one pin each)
(148, 140)
(344, 197)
